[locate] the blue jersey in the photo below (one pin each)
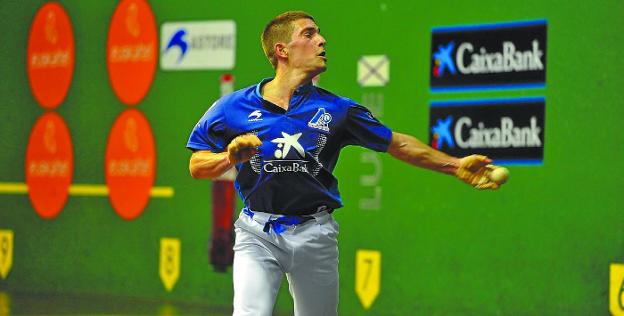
(292, 172)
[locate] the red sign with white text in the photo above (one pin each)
(132, 50)
(130, 163)
(50, 55)
(49, 165)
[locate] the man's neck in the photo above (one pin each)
(281, 89)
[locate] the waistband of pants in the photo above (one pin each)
(279, 223)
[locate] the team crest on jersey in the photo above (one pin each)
(321, 120)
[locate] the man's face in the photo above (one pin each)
(306, 50)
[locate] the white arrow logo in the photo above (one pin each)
(254, 116)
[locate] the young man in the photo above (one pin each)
(284, 136)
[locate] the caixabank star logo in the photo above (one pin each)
(507, 130)
(442, 136)
(443, 60)
(508, 55)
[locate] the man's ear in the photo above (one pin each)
(281, 50)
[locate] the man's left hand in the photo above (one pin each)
(473, 170)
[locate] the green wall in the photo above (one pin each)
(541, 245)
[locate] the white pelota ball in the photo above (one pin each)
(499, 175)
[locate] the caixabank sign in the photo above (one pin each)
(509, 55)
(510, 131)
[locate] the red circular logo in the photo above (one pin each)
(130, 163)
(131, 50)
(50, 55)
(49, 165)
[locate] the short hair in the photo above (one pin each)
(280, 29)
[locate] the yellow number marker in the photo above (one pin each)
(6, 252)
(616, 289)
(169, 262)
(5, 304)
(367, 276)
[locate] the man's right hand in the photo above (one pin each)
(243, 147)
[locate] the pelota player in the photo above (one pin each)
(284, 136)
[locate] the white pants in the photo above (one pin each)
(306, 253)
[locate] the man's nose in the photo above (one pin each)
(322, 41)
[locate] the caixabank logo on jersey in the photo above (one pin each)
(488, 56)
(510, 131)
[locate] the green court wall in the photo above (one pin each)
(542, 245)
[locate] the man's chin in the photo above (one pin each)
(314, 71)
(321, 70)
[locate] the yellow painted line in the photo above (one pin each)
(162, 192)
(83, 190)
(13, 188)
(88, 190)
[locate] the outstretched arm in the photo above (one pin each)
(205, 164)
(409, 149)
(470, 169)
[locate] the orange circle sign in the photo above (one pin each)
(130, 164)
(132, 50)
(49, 165)
(50, 55)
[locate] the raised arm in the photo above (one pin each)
(205, 164)
(471, 169)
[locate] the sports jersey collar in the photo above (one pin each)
(302, 88)
(299, 93)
